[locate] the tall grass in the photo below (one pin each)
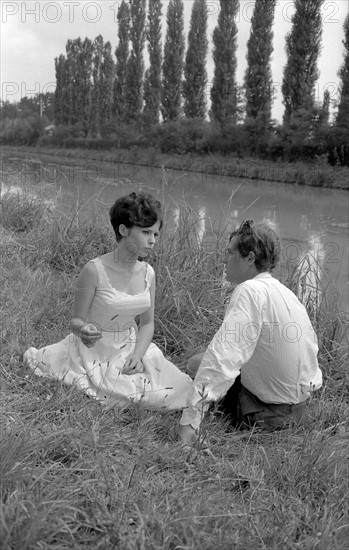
(77, 475)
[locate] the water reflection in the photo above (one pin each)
(308, 219)
(201, 225)
(173, 217)
(269, 217)
(178, 216)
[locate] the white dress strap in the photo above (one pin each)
(102, 279)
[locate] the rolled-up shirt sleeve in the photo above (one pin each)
(230, 348)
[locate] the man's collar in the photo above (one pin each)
(263, 275)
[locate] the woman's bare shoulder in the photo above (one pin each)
(89, 272)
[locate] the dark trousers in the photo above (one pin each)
(244, 410)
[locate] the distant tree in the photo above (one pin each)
(122, 54)
(172, 67)
(47, 105)
(102, 91)
(72, 93)
(224, 87)
(8, 111)
(135, 63)
(95, 112)
(325, 109)
(108, 78)
(152, 80)
(23, 131)
(79, 76)
(29, 106)
(258, 77)
(301, 73)
(84, 82)
(343, 107)
(195, 75)
(84, 85)
(39, 105)
(62, 90)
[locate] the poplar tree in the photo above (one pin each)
(301, 73)
(152, 79)
(79, 69)
(121, 54)
(108, 78)
(172, 67)
(224, 87)
(95, 113)
(102, 76)
(343, 107)
(84, 82)
(72, 49)
(135, 63)
(195, 76)
(258, 77)
(61, 95)
(325, 109)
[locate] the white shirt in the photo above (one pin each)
(267, 334)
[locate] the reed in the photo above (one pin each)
(77, 475)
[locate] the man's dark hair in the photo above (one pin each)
(261, 239)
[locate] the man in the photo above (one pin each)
(263, 359)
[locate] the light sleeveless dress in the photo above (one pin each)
(98, 370)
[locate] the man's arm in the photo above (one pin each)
(231, 347)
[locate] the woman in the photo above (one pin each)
(106, 355)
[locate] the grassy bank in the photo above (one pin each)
(76, 475)
(318, 174)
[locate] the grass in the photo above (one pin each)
(77, 475)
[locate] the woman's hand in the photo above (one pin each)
(133, 365)
(89, 335)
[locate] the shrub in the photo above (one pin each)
(183, 136)
(22, 131)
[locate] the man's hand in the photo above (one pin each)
(190, 439)
(187, 434)
(133, 365)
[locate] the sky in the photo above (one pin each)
(33, 33)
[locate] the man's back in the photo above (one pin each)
(283, 367)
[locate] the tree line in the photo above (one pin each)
(103, 93)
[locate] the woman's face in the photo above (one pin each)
(140, 241)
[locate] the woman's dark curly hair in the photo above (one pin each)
(260, 239)
(139, 209)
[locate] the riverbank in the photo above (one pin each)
(319, 174)
(74, 474)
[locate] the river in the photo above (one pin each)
(307, 218)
